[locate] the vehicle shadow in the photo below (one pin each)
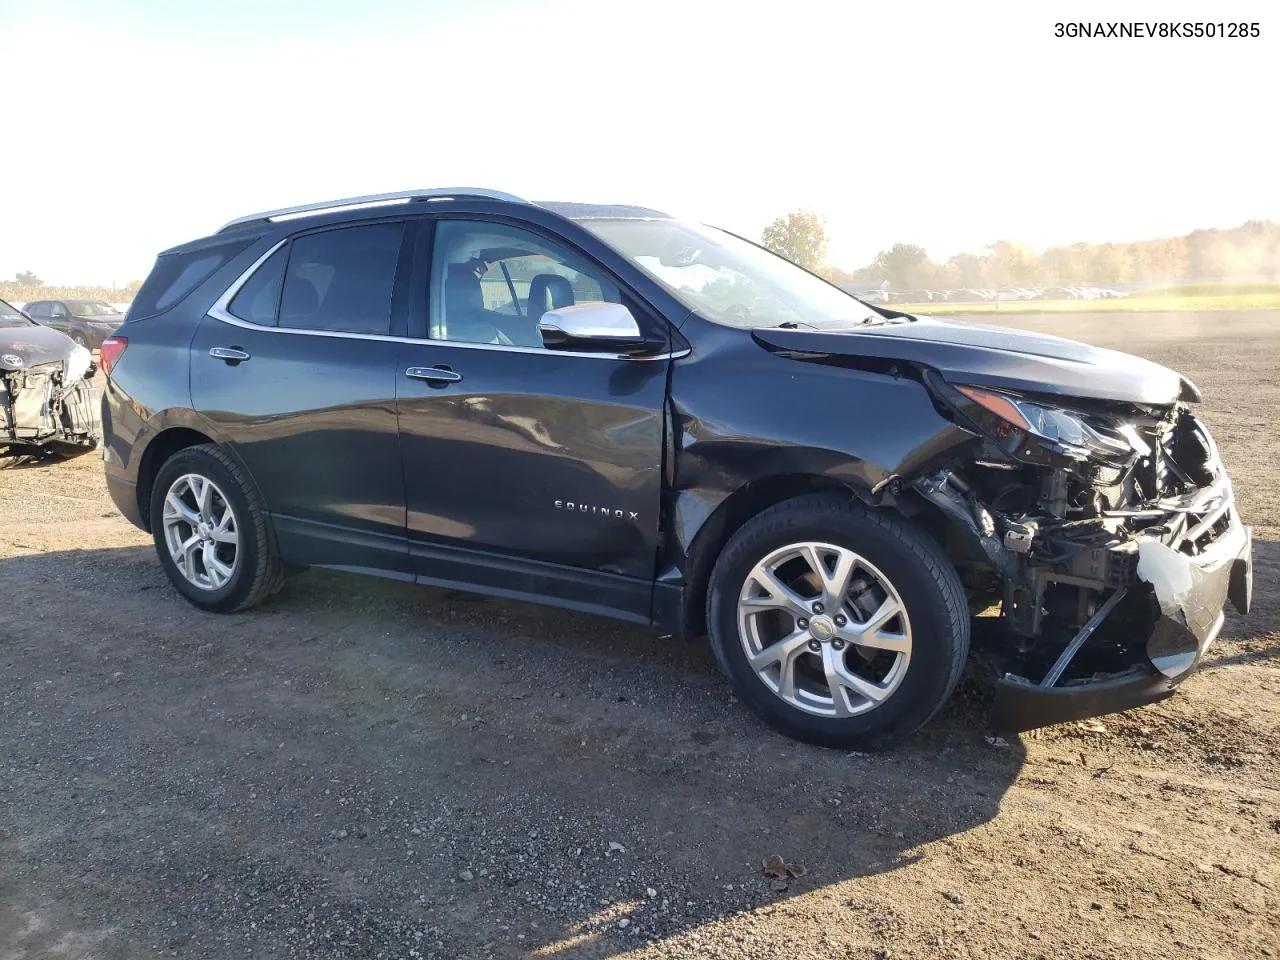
(360, 764)
(12, 459)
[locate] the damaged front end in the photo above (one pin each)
(1107, 533)
(47, 405)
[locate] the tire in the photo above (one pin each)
(895, 567)
(80, 340)
(255, 568)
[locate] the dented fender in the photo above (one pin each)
(810, 422)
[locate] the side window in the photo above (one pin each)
(259, 298)
(176, 274)
(37, 311)
(491, 283)
(57, 311)
(342, 280)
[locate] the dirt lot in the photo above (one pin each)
(365, 769)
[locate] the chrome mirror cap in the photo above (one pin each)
(606, 324)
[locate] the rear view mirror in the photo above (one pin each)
(593, 326)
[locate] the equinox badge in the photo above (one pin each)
(597, 511)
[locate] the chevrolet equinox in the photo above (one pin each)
(612, 410)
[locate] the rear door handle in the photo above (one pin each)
(232, 355)
(437, 374)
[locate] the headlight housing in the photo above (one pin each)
(1034, 432)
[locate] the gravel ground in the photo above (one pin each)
(367, 769)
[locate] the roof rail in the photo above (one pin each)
(374, 199)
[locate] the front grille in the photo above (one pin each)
(1193, 468)
(1183, 478)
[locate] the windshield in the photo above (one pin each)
(11, 316)
(728, 280)
(92, 308)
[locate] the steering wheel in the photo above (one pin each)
(517, 331)
(500, 338)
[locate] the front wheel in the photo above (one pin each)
(211, 532)
(839, 625)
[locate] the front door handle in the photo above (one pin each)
(436, 374)
(232, 355)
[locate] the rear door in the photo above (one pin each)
(60, 318)
(529, 472)
(295, 368)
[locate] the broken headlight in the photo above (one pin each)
(1034, 432)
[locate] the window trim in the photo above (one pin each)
(218, 311)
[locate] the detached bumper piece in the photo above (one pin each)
(1190, 592)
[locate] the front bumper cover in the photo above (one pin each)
(1191, 592)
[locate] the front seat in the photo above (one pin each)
(548, 291)
(464, 313)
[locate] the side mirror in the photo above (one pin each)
(594, 326)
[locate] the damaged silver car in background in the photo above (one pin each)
(47, 404)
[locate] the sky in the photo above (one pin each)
(134, 125)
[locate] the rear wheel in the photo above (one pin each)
(211, 532)
(838, 625)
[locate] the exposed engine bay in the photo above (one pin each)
(47, 406)
(1106, 533)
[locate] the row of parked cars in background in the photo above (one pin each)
(87, 322)
(986, 295)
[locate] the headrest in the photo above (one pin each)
(462, 293)
(548, 291)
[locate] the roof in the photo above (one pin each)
(601, 211)
(573, 211)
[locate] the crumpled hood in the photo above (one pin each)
(33, 346)
(995, 357)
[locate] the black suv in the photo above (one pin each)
(611, 410)
(87, 322)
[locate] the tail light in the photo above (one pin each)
(112, 350)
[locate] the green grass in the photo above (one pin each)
(1215, 289)
(1267, 298)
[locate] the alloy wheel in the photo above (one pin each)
(200, 531)
(824, 629)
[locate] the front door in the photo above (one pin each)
(528, 472)
(296, 370)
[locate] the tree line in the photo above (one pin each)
(1249, 251)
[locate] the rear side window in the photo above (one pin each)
(176, 274)
(342, 280)
(259, 298)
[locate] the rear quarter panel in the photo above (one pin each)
(149, 389)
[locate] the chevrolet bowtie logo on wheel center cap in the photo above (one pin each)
(822, 629)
